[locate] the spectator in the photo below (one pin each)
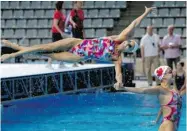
(179, 75)
(171, 45)
(77, 19)
(58, 27)
(150, 52)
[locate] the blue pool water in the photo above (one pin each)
(93, 112)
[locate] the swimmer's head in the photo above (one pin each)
(164, 73)
(129, 46)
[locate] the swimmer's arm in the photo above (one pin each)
(118, 70)
(122, 36)
(150, 91)
(158, 115)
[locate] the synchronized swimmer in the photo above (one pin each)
(76, 50)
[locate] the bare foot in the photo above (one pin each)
(5, 57)
(12, 45)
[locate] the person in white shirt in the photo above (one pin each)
(150, 53)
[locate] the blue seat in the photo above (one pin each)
(97, 23)
(21, 23)
(18, 13)
(100, 33)
(35, 4)
(108, 23)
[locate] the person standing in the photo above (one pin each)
(58, 26)
(171, 45)
(150, 53)
(77, 19)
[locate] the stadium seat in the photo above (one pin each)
(184, 32)
(157, 22)
(89, 4)
(21, 23)
(90, 33)
(32, 23)
(162, 32)
(10, 23)
(168, 21)
(169, 3)
(19, 33)
(85, 13)
(35, 4)
(100, 33)
(110, 4)
(4, 4)
(108, 23)
(97, 23)
(68, 4)
(2, 23)
(43, 23)
(175, 12)
(120, 4)
(87, 23)
(24, 42)
(93, 13)
(39, 13)
(8, 33)
(14, 4)
(99, 4)
(139, 32)
(18, 13)
(28, 13)
(14, 40)
(183, 12)
(46, 4)
(7, 13)
(34, 42)
(158, 4)
(49, 13)
(24, 4)
(50, 23)
(180, 22)
(178, 31)
(45, 41)
(163, 12)
(104, 13)
(31, 33)
(180, 3)
(146, 22)
(43, 33)
(115, 13)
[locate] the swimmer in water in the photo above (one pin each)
(106, 48)
(170, 99)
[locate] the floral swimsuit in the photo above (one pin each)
(175, 106)
(99, 49)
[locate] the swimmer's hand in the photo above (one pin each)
(149, 9)
(118, 86)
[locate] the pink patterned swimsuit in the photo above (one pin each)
(175, 105)
(100, 49)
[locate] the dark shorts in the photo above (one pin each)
(77, 33)
(56, 37)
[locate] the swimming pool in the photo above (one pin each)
(93, 112)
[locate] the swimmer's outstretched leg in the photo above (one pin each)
(65, 56)
(64, 44)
